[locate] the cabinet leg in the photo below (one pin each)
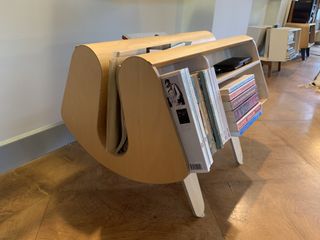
(269, 69)
(237, 151)
(303, 54)
(308, 52)
(194, 194)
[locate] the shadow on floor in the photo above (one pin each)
(68, 195)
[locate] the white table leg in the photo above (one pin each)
(194, 194)
(237, 151)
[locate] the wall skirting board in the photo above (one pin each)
(29, 146)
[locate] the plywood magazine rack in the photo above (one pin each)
(154, 153)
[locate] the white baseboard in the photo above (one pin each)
(27, 147)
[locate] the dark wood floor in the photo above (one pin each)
(274, 195)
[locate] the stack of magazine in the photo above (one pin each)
(241, 103)
(196, 108)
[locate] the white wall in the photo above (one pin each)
(258, 12)
(197, 14)
(231, 17)
(37, 40)
(268, 12)
(271, 17)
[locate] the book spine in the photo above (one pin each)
(240, 84)
(230, 97)
(191, 95)
(246, 127)
(236, 102)
(239, 112)
(235, 127)
(245, 119)
(242, 89)
(182, 105)
(211, 111)
(224, 131)
(204, 113)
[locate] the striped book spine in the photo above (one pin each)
(236, 83)
(235, 127)
(239, 112)
(236, 102)
(229, 97)
(248, 124)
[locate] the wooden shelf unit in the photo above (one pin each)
(279, 41)
(84, 110)
(307, 39)
(155, 154)
(276, 44)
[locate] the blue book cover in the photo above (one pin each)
(246, 127)
(236, 83)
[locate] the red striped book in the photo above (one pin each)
(239, 112)
(236, 102)
(229, 97)
(235, 127)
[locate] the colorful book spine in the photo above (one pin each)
(236, 83)
(235, 127)
(248, 124)
(239, 112)
(236, 102)
(229, 97)
(243, 121)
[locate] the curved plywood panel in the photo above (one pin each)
(149, 159)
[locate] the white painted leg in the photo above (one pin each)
(194, 194)
(237, 151)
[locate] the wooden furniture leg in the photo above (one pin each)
(279, 66)
(308, 52)
(303, 54)
(269, 69)
(194, 194)
(237, 151)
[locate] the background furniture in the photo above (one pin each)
(303, 11)
(276, 45)
(154, 153)
(307, 39)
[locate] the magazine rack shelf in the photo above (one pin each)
(154, 153)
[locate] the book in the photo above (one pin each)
(235, 127)
(204, 113)
(234, 84)
(229, 97)
(211, 114)
(222, 115)
(191, 95)
(247, 125)
(239, 112)
(214, 107)
(237, 101)
(182, 103)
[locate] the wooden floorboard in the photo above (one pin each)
(274, 195)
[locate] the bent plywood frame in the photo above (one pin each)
(149, 159)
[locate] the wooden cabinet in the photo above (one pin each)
(276, 44)
(282, 44)
(308, 34)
